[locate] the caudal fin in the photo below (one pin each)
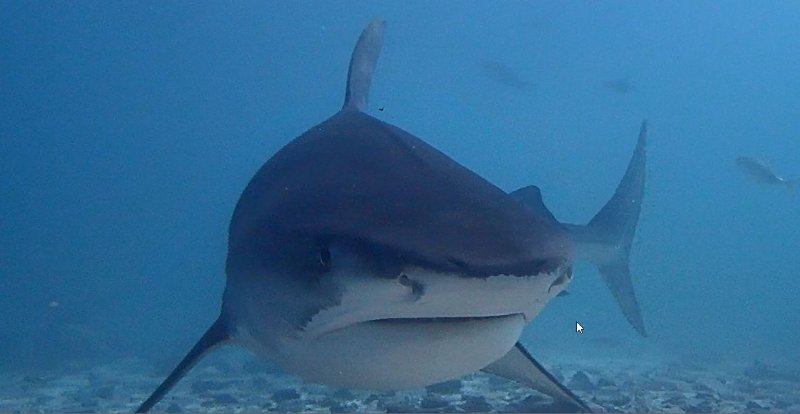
(216, 335)
(362, 64)
(607, 239)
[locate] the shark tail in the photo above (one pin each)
(216, 335)
(362, 65)
(606, 240)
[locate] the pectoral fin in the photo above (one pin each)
(518, 365)
(215, 336)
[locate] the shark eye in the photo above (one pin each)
(404, 280)
(325, 259)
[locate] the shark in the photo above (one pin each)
(360, 256)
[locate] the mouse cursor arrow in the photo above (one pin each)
(578, 328)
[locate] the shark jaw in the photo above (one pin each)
(417, 329)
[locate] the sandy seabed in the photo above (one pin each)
(232, 383)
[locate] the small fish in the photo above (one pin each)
(622, 86)
(503, 74)
(763, 174)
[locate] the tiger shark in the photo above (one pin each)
(360, 256)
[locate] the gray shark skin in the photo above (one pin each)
(360, 256)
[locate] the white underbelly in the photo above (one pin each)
(397, 354)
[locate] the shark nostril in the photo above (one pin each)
(564, 276)
(417, 289)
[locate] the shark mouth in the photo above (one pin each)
(433, 298)
(440, 319)
(400, 322)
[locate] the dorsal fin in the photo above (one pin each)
(362, 64)
(531, 197)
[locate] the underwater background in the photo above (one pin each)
(129, 129)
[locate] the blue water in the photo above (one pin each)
(128, 130)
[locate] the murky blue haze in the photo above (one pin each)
(128, 131)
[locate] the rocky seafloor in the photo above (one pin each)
(236, 385)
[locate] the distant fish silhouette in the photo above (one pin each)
(763, 174)
(503, 74)
(622, 86)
